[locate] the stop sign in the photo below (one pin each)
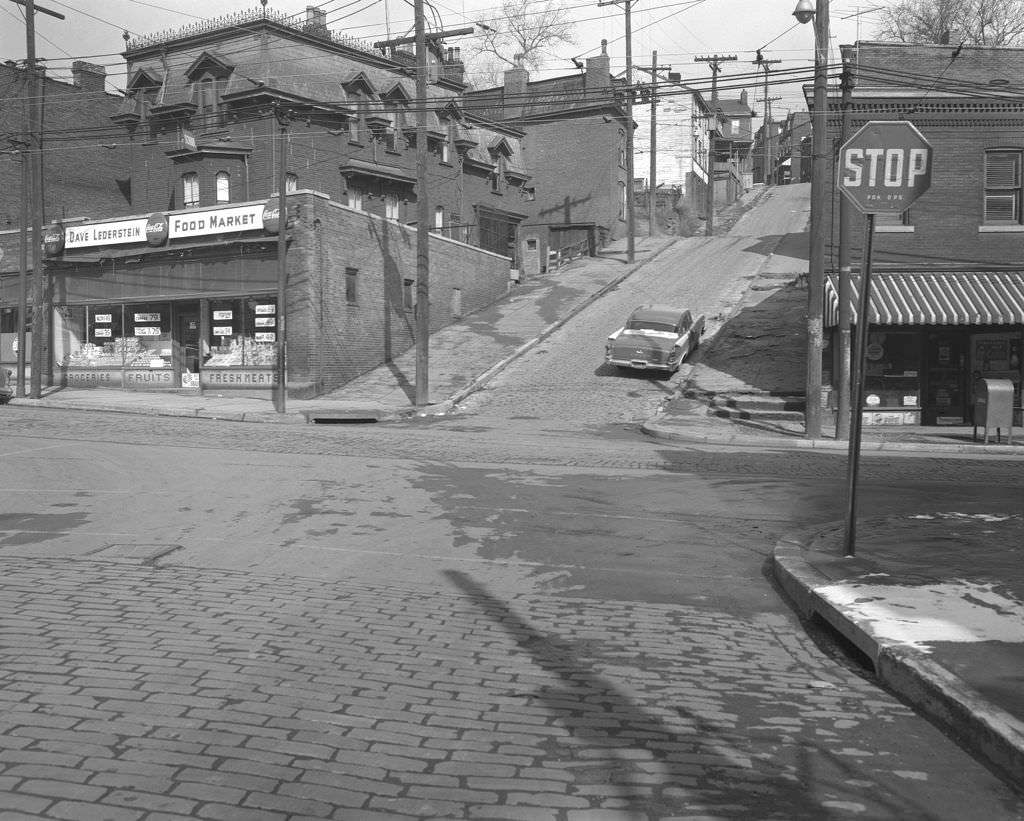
(885, 166)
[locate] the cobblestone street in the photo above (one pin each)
(142, 692)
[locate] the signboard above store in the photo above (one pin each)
(156, 229)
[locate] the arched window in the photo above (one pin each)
(223, 186)
(291, 183)
(190, 189)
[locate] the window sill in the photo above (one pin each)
(1001, 229)
(894, 229)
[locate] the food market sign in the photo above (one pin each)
(156, 229)
(885, 167)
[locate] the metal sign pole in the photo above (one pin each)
(857, 404)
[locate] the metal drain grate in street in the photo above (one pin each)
(134, 553)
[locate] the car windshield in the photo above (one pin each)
(650, 325)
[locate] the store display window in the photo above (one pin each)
(116, 336)
(243, 333)
(892, 370)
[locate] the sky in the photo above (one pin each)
(679, 30)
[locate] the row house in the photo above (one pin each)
(793, 161)
(579, 199)
(732, 144)
(170, 277)
(947, 295)
(680, 123)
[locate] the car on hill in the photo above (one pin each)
(655, 337)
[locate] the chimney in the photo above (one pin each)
(316, 21)
(89, 76)
(515, 82)
(743, 98)
(599, 69)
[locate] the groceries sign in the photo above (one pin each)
(885, 167)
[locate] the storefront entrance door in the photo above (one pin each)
(187, 337)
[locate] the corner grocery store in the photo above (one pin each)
(188, 300)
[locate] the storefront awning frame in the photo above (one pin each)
(934, 298)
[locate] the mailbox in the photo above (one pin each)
(993, 407)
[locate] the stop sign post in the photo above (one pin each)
(883, 169)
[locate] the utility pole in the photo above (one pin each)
(820, 164)
(709, 206)
(421, 329)
(766, 137)
(630, 210)
(766, 65)
(40, 291)
(422, 217)
(652, 204)
(843, 381)
(280, 392)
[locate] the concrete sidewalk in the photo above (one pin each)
(944, 628)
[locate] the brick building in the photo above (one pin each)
(579, 196)
(174, 286)
(947, 303)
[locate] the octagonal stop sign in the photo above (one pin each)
(885, 166)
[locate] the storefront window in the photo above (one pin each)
(243, 333)
(892, 376)
(93, 336)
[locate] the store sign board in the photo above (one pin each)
(157, 228)
(237, 378)
(220, 221)
(92, 378)
(149, 378)
(120, 232)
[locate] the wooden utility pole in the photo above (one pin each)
(709, 206)
(40, 290)
(846, 216)
(766, 65)
(422, 307)
(630, 209)
(652, 203)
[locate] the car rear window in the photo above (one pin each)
(648, 325)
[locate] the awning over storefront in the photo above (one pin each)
(935, 298)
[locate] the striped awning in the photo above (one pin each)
(934, 298)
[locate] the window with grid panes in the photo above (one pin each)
(1002, 187)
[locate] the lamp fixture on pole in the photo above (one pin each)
(805, 11)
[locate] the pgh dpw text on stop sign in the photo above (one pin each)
(885, 166)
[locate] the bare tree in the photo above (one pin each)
(522, 33)
(975, 22)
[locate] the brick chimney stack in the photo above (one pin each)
(89, 76)
(599, 69)
(515, 81)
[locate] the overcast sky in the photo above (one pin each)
(679, 31)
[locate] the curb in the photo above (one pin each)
(989, 733)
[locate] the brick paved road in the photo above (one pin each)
(133, 691)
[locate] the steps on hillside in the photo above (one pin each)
(761, 406)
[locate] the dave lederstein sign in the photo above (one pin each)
(157, 228)
(885, 167)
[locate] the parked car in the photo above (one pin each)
(657, 337)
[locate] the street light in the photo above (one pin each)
(805, 11)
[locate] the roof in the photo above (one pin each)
(935, 298)
(657, 313)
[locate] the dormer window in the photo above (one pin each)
(209, 76)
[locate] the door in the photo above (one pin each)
(187, 346)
